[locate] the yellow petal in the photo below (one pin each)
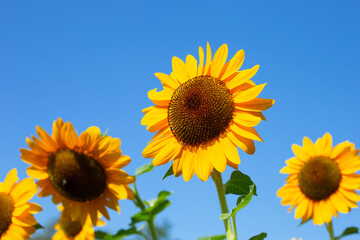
(230, 150)
(191, 66)
(188, 159)
(248, 95)
(56, 134)
(177, 165)
(156, 115)
(153, 148)
(241, 77)
(245, 144)
(217, 157)
(23, 191)
(167, 153)
(167, 81)
(246, 119)
(234, 64)
(219, 60)
(37, 173)
(247, 132)
(208, 60)
(300, 153)
(201, 62)
(179, 69)
(10, 180)
(309, 147)
(160, 98)
(301, 209)
(203, 166)
(255, 105)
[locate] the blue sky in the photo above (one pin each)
(93, 62)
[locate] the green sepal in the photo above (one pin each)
(239, 184)
(261, 236)
(38, 226)
(303, 222)
(119, 235)
(348, 231)
(104, 134)
(169, 172)
(241, 203)
(217, 237)
(144, 169)
(155, 206)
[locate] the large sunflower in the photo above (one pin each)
(72, 229)
(322, 180)
(16, 219)
(203, 113)
(83, 172)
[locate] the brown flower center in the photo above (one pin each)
(69, 226)
(319, 178)
(6, 209)
(200, 110)
(76, 176)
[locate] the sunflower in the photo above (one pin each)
(203, 113)
(72, 229)
(322, 180)
(82, 172)
(16, 219)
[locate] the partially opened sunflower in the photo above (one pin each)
(16, 213)
(205, 111)
(322, 179)
(72, 229)
(82, 172)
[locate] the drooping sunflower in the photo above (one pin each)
(322, 179)
(203, 113)
(72, 229)
(16, 213)
(82, 172)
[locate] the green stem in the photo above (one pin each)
(142, 206)
(152, 229)
(138, 199)
(216, 176)
(234, 225)
(330, 229)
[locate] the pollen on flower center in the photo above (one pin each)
(70, 226)
(77, 176)
(319, 178)
(6, 209)
(200, 110)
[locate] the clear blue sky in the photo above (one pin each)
(93, 62)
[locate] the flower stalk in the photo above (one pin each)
(216, 176)
(329, 227)
(141, 205)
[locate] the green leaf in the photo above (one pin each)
(119, 235)
(217, 237)
(348, 231)
(144, 169)
(38, 226)
(155, 207)
(241, 203)
(239, 184)
(261, 236)
(100, 234)
(169, 172)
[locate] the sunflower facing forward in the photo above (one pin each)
(16, 213)
(83, 172)
(322, 180)
(203, 113)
